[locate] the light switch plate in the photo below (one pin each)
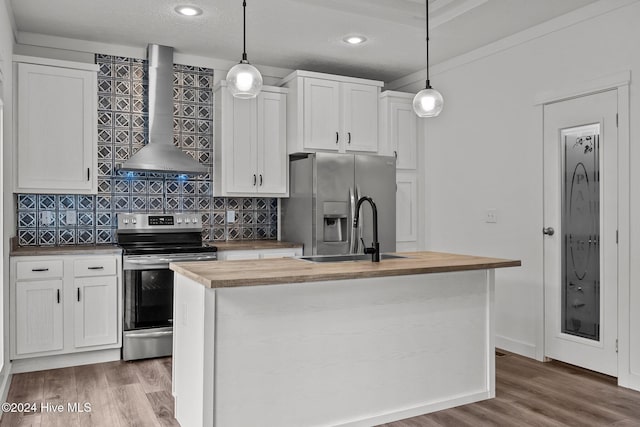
(231, 217)
(492, 216)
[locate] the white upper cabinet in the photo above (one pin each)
(399, 128)
(56, 126)
(331, 113)
(321, 115)
(250, 151)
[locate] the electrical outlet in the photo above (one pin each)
(46, 218)
(231, 217)
(70, 217)
(492, 216)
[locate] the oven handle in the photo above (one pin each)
(171, 259)
(149, 334)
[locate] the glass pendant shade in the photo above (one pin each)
(244, 80)
(428, 103)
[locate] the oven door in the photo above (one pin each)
(148, 297)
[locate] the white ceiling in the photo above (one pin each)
(297, 34)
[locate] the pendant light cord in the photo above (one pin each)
(244, 30)
(426, 2)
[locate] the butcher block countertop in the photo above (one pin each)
(63, 250)
(226, 274)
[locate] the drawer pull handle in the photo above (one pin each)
(349, 140)
(96, 268)
(337, 138)
(58, 295)
(78, 294)
(39, 269)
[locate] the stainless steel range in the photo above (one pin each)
(150, 242)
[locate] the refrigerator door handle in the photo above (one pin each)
(360, 222)
(353, 238)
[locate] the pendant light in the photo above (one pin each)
(428, 102)
(244, 80)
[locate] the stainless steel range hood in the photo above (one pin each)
(160, 155)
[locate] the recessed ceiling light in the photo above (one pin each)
(188, 10)
(354, 40)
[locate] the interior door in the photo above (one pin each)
(580, 242)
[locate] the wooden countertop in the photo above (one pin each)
(247, 245)
(224, 274)
(65, 250)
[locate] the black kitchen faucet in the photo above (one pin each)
(375, 249)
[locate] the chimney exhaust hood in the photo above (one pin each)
(160, 154)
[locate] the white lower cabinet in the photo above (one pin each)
(39, 316)
(259, 253)
(64, 304)
(96, 311)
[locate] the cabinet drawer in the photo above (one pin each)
(26, 270)
(100, 266)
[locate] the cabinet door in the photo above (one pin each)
(57, 125)
(272, 144)
(95, 316)
(321, 114)
(39, 314)
(406, 211)
(241, 148)
(360, 111)
(403, 132)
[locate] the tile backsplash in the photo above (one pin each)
(46, 219)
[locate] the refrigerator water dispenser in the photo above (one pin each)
(335, 222)
(335, 228)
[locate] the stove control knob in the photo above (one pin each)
(133, 221)
(186, 220)
(194, 220)
(126, 220)
(179, 220)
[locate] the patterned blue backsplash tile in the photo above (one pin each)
(56, 220)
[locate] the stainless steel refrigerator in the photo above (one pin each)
(324, 189)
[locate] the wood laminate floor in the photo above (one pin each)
(528, 393)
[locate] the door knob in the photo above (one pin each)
(548, 231)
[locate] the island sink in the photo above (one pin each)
(347, 257)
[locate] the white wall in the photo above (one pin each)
(485, 151)
(6, 203)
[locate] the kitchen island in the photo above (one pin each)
(288, 342)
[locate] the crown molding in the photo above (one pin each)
(54, 42)
(12, 18)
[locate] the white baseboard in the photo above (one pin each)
(515, 346)
(419, 410)
(629, 381)
(64, 360)
(5, 382)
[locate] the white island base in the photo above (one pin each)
(355, 352)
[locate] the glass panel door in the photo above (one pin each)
(581, 232)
